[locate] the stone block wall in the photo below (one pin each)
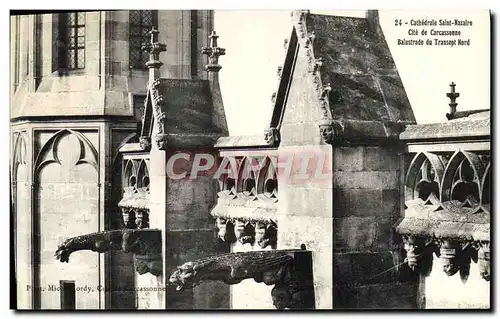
(249, 294)
(191, 234)
(366, 205)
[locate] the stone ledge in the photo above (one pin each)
(444, 229)
(456, 129)
(244, 213)
(241, 141)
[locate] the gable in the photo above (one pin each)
(351, 71)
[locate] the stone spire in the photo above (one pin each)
(213, 52)
(154, 48)
(452, 95)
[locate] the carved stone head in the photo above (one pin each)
(327, 132)
(145, 143)
(272, 136)
(161, 142)
(183, 277)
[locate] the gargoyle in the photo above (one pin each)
(270, 267)
(145, 244)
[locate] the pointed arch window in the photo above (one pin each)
(141, 22)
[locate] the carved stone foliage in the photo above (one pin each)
(159, 115)
(315, 63)
(135, 201)
(447, 212)
(144, 244)
(290, 271)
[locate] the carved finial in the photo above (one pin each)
(452, 95)
(213, 52)
(310, 39)
(154, 48)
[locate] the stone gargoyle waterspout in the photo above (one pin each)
(290, 271)
(145, 244)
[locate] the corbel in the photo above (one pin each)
(484, 260)
(457, 257)
(260, 231)
(226, 230)
(330, 131)
(419, 252)
(142, 218)
(244, 232)
(449, 253)
(270, 237)
(248, 236)
(128, 215)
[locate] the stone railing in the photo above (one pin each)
(135, 182)
(248, 193)
(448, 195)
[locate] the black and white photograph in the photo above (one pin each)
(206, 159)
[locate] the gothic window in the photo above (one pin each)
(141, 22)
(72, 40)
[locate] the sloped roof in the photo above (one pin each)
(475, 125)
(359, 67)
(365, 93)
(187, 105)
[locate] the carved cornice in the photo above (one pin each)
(290, 271)
(144, 244)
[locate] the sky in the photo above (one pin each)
(254, 49)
